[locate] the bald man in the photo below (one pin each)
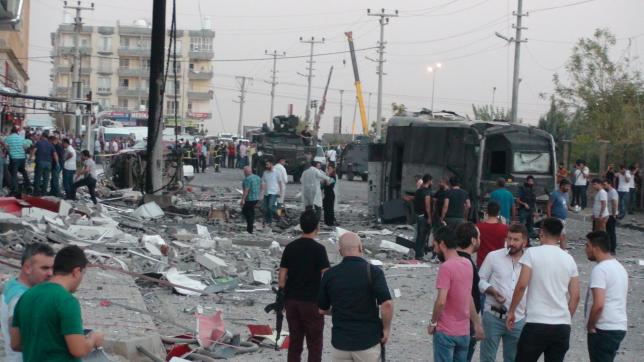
(351, 292)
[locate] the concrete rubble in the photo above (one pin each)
(190, 246)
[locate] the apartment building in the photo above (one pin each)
(14, 51)
(115, 67)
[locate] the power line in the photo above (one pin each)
(480, 27)
(561, 6)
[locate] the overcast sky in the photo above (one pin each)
(457, 33)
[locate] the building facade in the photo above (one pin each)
(14, 51)
(115, 68)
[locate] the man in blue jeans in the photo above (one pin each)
(69, 167)
(454, 306)
(46, 155)
(271, 189)
(17, 159)
(499, 274)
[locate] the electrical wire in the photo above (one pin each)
(561, 6)
(475, 29)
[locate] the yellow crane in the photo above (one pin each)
(363, 113)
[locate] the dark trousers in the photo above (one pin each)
(201, 162)
(579, 196)
(632, 200)
(603, 345)
(231, 161)
(91, 186)
(552, 340)
(68, 182)
(18, 165)
(611, 225)
(525, 218)
(55, 180)
(422, 232)
(317, 209)
(328, 204)
(248, 210)
(304, 320)
(41, 177)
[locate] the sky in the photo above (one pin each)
(476, 67)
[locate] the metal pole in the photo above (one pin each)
(517, 55)
(273, 81)
(154, 164)
(493, 94)
(341, 97)
(76, 76)
(242, 100)
(309, 76)
(433, 88)
(384, 20)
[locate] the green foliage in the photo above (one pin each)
(488, 113)
(398, 109)
(597, 99)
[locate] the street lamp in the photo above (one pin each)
(434, 69)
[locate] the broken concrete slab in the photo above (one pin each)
(164, 201)
(178, 278)
(262, 276)
(148, 211)
(388, 245)
(210, 261)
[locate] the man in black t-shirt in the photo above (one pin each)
(351, 292)
(457, 204)
(423, 211)
(303, 262)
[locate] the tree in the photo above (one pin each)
(555, 122)
(600, 97)
(398, 109)
(487, 113)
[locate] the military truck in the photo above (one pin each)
(352, 161)
(477, 152)
(283, 140)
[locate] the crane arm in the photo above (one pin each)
(358, 84)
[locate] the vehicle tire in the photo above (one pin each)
(364, 177)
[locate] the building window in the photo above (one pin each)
(146, 64)
(104, 64)
(192, 66)
(125, 42)
(171, 106)
(124, 63)
(105, 43)
(124, 82)
(200, 44)
(189, 106)
(105, 103)
(84, 42)
(122, 102)
(104, 84)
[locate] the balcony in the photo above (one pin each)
(199, 96)
(131, 92)
(134, 52)
(134, 72)
(104, 91)
(61, 90)
(64, 68)
(203, 75)
(104, 70)
(63, 50)
(86, 70)
(201, 55)
(104, 50)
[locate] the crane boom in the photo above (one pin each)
(363, 113)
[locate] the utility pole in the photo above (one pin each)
(273, 81)
(154, 164)
(517, 40)
(242, 99)
(312, 42)
(384, 20)
(76, 76)
(341, 97)
(493, 94)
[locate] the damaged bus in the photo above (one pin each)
(477, 152)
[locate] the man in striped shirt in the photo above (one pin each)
(17, 158)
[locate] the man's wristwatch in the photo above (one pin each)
(433, 324)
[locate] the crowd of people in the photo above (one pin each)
(40, 317)
(55, 159)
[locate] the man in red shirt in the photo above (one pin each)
(493, 232)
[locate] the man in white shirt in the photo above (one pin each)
(311, 181)
(600, 206)
(631, 189)
(624, 179)
(283, 177)
(613, 207)
(499, 274)
(605, 306)
(552, 281)
(271, 189)
(69, 167)
(580, 184)
(36, 266)
(331, 155)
